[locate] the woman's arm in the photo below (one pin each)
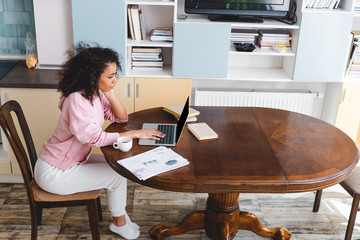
(144, 134)
(120, 113)
(117, 108)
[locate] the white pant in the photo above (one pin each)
(94, 174)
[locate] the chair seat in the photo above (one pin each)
(351, 183)
(43, 196)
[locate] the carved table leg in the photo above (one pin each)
(222, 215)
(248, 221)
(192, 221)
(221, 220)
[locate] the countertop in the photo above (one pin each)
(23, 77)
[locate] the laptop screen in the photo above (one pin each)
(182, 120)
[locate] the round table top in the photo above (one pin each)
(259, 150)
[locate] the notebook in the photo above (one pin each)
(202, 131)
(176, 109)
(173, 131)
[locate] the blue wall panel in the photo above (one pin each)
(102, 22)
(201, 50)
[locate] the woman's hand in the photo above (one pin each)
(148, 133)
(117, 108)
(109, 94)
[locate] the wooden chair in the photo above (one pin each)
(352, 185)
(38, 198)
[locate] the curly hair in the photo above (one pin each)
(82, 71)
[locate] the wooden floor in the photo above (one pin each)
(148, 207)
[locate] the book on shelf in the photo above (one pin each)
(357, 7)
(147, 63)
(140, 59)
(131, 25)
(136, 22)
(142, 25)
(269, 37)
(243, 35)
(146, 54)
(274, 38)
(274, 32)
(147, 68)
(317, 3)
(146, 58)
(250, 32)
(176, 109)
(162, 34)
(354, 67)
(146, 50)
(167, 31)
(202, 131)
(321, 4)
(309, 3)
(353, 52)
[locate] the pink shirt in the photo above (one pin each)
(78, 129)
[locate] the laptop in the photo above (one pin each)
(172, 131)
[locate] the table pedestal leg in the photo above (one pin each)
(222, 219)
(192, 221)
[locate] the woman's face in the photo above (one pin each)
(108, 79)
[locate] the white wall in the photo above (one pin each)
(53, 25)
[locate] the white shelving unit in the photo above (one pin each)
(157, 13)
(261, 64)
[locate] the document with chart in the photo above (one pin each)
(153, 162)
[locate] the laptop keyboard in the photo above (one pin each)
(169, 131)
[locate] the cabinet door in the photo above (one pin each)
(102, 22)
(40, 107)
(158, 92)
(124, 91)
(201, 49)
(321, 54)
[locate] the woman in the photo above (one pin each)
(65, 164)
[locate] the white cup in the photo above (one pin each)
(124, 144)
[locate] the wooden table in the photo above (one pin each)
(259, 150)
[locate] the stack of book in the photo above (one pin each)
(176, 109)
(149, 58)
(330, 4)
(162, 34)
(357, 7)
(243, 35)
(136, 23)
(269, 37)
(354, 59)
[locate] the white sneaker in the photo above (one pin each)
(125, 231)
(132, 224)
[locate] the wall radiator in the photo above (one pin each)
(301, 102)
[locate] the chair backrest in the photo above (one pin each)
(9, 128)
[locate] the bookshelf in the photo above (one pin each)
(259, 65)
(226, 63)
(156, 14)
(355, 26)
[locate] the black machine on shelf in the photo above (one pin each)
(239, 10)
